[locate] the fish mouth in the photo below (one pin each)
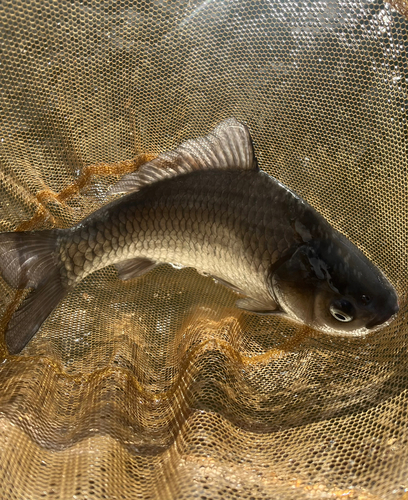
(383, 318)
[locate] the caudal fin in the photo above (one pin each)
(30, 260)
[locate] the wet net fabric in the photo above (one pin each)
(158, 388)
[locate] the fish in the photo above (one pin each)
(206, 205)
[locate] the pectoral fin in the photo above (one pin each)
(133, 268)
(259, 307)
(226, 283)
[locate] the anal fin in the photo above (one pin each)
(133, 268)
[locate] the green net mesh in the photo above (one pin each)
(159, 388)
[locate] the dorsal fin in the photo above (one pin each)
(229, 145)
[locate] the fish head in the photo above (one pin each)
(331, 286)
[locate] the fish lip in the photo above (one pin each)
(382, 320)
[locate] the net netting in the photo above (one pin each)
(159, 388)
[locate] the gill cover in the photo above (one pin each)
(296, 281)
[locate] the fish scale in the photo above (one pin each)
(224, 236)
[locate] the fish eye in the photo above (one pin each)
(342, 310)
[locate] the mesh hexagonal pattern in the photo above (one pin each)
(159, 388)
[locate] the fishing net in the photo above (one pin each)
(159, 388)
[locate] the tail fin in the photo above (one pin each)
(30, 260)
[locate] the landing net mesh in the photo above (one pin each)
(158, 388)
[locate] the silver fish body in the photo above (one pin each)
(207, 205)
